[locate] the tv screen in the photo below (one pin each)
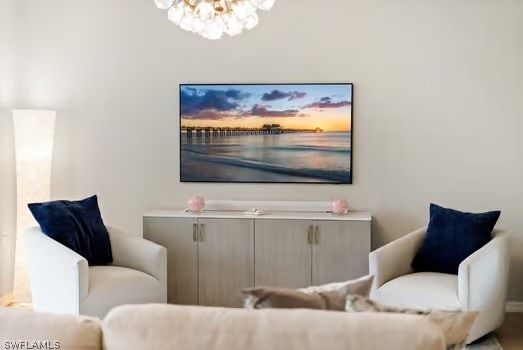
(273, 133)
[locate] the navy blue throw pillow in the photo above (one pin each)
(78, 225)
(451, 237)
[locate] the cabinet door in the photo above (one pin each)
(226, 260)
(340, 251)
(283, 253)
(176, 234)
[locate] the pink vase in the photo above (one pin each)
(339, 206)
(196, 204)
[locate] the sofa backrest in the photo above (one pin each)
(64, 332)
(162, 327)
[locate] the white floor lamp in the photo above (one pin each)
(34, 135)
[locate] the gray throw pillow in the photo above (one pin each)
(455, 324)
(326, 297)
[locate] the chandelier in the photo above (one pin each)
(212, 18)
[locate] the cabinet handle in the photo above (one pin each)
(309, 234)
(195, 232)
(317, 234)
(202, 231)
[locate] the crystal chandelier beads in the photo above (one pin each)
(212, 18)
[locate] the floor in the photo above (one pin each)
(510, 335)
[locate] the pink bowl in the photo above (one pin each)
(196, 204)
(339, 206)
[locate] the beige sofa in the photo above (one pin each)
(141, 327)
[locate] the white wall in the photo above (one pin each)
(7, 204)
(438, 103)
(7, 172)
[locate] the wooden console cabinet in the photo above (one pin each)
(213, 255)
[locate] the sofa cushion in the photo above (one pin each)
(166, 327)
(455, 324)
(451, 237)
(114, 285)
(78, 225)
(420, 290)
(329, 297)
(65, 332)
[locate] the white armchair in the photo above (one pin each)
(481, 283)
(63, 282)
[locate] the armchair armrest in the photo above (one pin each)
(394, 259)
(139, 254)
(59, 277)
(483, 281)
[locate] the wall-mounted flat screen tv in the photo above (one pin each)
(266, 133)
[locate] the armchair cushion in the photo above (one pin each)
(110, 286)
(451, 237)
(421, 290)
(78, 225)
